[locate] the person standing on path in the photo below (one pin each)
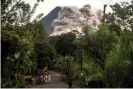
(45, 77)
(49, 78)
(84, 84)
(70, 83)
(41, 78)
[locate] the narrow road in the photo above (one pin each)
(56, 82)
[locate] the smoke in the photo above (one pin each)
(72, 19)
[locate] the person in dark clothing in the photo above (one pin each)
(70, 83)
(84, 84)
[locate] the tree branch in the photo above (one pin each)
(12, 8)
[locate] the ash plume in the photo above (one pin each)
(72, 19)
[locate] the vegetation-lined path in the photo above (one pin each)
(56, 82)
(104, 55)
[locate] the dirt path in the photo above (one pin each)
(56, 82)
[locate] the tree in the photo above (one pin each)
(18, 37)
(64, 45)
(119, 61)
(121, 17)
(121, 22)
(97, 44)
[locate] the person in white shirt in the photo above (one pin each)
(49, 78)
(41, 78)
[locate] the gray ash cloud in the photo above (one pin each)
(72, 19)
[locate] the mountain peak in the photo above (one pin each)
(48, 19)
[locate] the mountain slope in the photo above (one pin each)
(47, 20)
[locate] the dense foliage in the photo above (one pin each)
(21, 39)
(104, 56)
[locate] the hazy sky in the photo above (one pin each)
(47, 5)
